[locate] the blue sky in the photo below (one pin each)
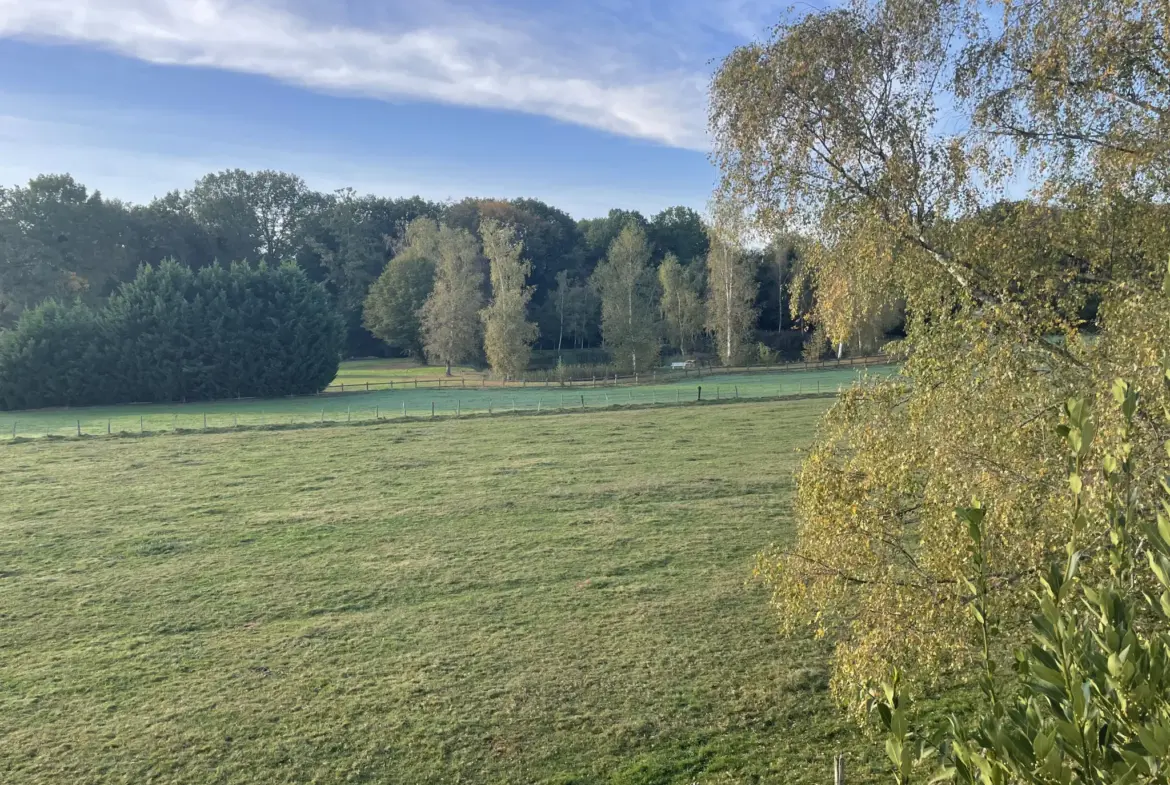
(587, 105)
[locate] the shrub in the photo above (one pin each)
(1092, 698)
(177, 334)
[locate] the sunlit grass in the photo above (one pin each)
(551, 599)
(380, 371)
(458, 396)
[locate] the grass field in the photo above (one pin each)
(380, 371)
(410, 402)
(559, 599)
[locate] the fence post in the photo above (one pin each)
(79, 427)
(432, 410)
(839, 770)
(377, 413)
(489, 406)
(14, 429)
(141, 429)
(737, 391)
(367, 386)
(107, 427)
(404, 408)
(700, 393)
(348, 415)
(458, 408)
(322, 414)
(582, 406)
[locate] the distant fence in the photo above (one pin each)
(550, 379)
(455, 397)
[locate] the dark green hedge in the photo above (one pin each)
(174, 334)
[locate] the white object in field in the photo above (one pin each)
(682, 365)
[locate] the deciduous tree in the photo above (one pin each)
(451, 325)
(836, 126)
(392, 308)
(508, 336)
(682, 304)
(626, 285)
(731, 285)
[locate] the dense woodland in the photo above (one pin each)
(61, 240)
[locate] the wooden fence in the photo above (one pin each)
(656, 376)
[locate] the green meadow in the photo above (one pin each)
(460, 395)
(555, 599)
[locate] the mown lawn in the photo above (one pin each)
(560, 599)
(459, 397)
(382, 370)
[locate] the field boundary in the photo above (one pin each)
(413, 419)
(655, 376)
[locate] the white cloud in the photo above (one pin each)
(450, 59)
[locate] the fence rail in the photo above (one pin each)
(655, 376)
(822, 379)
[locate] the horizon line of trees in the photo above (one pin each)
(61, 241)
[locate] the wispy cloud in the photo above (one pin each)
(453, 58)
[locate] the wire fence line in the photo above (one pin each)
(550, 378)
(421, 404)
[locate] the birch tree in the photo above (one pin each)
(451, 324)
(508, 336)
(731, 285)
(682, 305)
(626, 285)
(840, 124)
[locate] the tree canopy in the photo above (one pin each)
(626, 284)
(508, 336)
(885, 131)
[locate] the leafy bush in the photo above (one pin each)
(765, 355)
(177, 334)
(1092, 698)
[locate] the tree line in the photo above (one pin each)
(381, 259)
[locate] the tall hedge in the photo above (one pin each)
(175, 334)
